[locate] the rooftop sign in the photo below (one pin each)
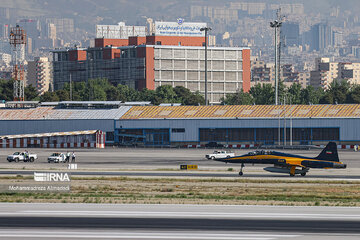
(179, 28)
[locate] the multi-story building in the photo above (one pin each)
(320, 37)
(40, 74)
(173, 56)
(5, 58)
(63, 25)
(326, 72)
(262, 72)
(304, 79)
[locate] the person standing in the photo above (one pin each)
(68, 156)
(73, 157)
(26, 156)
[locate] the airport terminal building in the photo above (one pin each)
(143, 125)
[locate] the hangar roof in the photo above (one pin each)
(244, 111)
(186, 112)
(56, 113)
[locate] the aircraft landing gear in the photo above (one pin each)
(241, 170)
(304, 171)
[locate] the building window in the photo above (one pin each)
(268, 135)
(178, 130)
(158, 43)
(109, 136)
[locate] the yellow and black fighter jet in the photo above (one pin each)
(289, 163)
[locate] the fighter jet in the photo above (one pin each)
(289, 163)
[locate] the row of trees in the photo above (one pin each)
(7, 91)
(264, 94)
(260, 94)
(102, 90)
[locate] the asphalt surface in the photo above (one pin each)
(101, 221)
(189, 174)
(118, 162)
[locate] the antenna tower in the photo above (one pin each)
(18, 42)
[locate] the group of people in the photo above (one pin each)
(68, 154)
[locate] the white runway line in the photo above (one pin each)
(185, 214)
(142, 235)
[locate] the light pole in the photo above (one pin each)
(276, 24)
(206, 29)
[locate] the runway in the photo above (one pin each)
(146, 163)
(338, 177)
(101, 221)
(152, 158)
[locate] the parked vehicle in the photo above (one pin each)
(214, 145)
(57, 158)
(219, 154)
(22, 156)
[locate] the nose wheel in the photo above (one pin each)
(241, 170)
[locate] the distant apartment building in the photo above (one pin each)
(174, 56)
(326, 72)
(39, 74)
(263, 73)
(63, 25)
(5, 58)
(290, 34)
(320, 37)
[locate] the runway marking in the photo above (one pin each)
(187, 214)
(142, 235)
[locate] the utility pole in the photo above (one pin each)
(284, 120)
(277, 25)
(206, 29)
(70, 89)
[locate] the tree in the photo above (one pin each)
(128, 94)
(310, 95)
(167, 94)
(30, 93)
(337, 92)
(186, 97)
(354, 94)
(238, 98)
(263, 94)
(6, 90)
(96, 89)
(149, 95)
(294, 94)
(63, 95)
(49, 97)
(112, 94)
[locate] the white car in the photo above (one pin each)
(219, 154)
(20, 156)
(57, 158)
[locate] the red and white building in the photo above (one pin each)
(174, 56)
(74, 139)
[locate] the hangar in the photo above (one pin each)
(143, 125)
(254, 124)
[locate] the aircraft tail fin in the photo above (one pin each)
(329, 153)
